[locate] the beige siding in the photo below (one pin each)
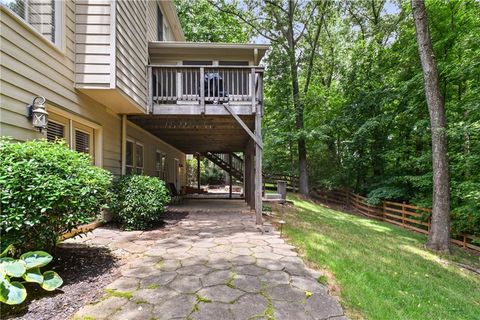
(151, 145)
(94, 47)
(152, 20)
(32, 66)
(132, 49)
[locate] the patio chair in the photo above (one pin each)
(174, 195)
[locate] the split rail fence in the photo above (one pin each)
(401, 214)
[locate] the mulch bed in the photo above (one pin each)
(85, 271)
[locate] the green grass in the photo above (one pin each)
(384, 272)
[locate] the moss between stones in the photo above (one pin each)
(159, 264)
(141, 301)
(269, 310)
(230, 280)
(203, 299)
(119, 294)
(200, 299)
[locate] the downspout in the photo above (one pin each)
(124, 145)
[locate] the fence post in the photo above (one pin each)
(403, 213)
(384, 210)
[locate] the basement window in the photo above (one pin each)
(129, 157)
(139, 158)
(55, 131)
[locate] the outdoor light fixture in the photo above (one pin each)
(281, 222)
(37, 113)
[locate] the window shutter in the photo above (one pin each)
(55, 131)
(82, 142)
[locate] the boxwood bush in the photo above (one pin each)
(46, 189)
(138, 201)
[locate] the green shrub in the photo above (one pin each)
(46, 189)
(138, 201)
(27, 268)
(212, 176)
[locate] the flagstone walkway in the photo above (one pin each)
(212, 265)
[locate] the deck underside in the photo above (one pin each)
(196, 133)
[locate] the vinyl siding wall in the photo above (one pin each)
(132, 49)
(31, 66)
(95, 48)
(152, 19)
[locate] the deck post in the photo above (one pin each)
(230, 174)
(202, 89)
(198, 172)
(258, 169)
(253, 94)
(150, 90)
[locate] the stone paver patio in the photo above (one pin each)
(213, 264)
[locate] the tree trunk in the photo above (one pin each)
(302, 149)
(439, 235)
(297, 103)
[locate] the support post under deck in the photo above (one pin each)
(258, 168)
(198, 173)
(230, 174)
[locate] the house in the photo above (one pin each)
(123, 85)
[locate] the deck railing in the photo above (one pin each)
(205, 84)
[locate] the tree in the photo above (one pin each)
(202, 22)
(439, 235)
(293, 28)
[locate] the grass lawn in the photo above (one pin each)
(384, 272)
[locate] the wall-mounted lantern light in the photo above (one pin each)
(37, 113)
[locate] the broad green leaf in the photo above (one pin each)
(33, 275)
(51, 281)
(5, 252)
(12, 292)
(36, 259)
(12, 267)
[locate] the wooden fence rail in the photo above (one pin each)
(401, 214)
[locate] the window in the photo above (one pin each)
(233, 63)
(159, 24)
(83, 138)
(196, 63)
(82, 141)
(160, 159)
(164, 167)
(158, 164)
(55, 131)
(134, 157)
(42, 15)
(139, 158)
(129, 157)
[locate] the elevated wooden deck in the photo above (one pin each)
(205, 90)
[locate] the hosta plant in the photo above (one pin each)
(27, 267)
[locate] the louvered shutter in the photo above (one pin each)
(55, 131)
(82, 142)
